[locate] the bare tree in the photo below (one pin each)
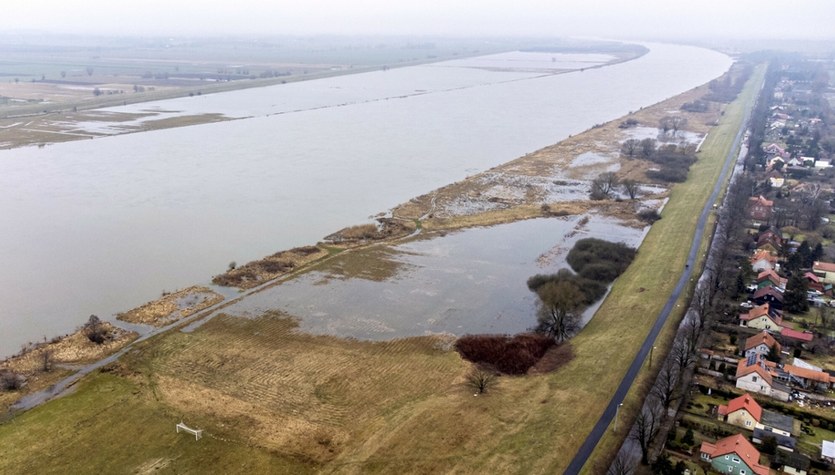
(630, 148)
(46, 360)
(666, 388)
(683, 351)
(622, 465)
(603, 186)
(631, 188)
(481, 379)
(647, 149)
(647, 426)
(9, 380)
(95, 331)
(560, 303)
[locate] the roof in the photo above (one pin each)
(828, 448)
(782, 440)
(763, 254)
(792, 459)
(769, 274)
(811, 277)
(806, 373)
(778, 421)
(760, 200)
(823, 266)
(796, 335)
(760, 311)
(742, 402)
(761, 338)
(769, 290)
(743, 369)
(736, 444)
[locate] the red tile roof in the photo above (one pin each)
(763, 254)
(739, 445)
(743, 402)
(760, 338)
(823, 266)
(769, 290)
(812, 277)
(806, 373)
(772, 276)
(743, 369)
(794, 334)
(760, 311)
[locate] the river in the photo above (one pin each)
(100, 226)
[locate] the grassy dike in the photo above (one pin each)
(271, 400)
(660, 260)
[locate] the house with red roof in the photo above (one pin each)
(763, 260)
(761, 317)
(808, 378)
(770, 278)
(733, 455)
(813, 282)
(760, 345)
(759, 208)
(793, 336)
(743, 411)
(825, 271)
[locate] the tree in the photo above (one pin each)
(622, 465)
(647, 149)
(46, 360)
(666, 388)
(603, 186)
(688, 438)
(769, 444)
(794, 298)
(480, 380)
(232, 265)
(95, 331)
(9, 380)
(631, 188)
(684, 347)
(630, 148)
(559, 310)
(647, 426)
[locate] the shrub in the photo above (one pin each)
(95, 331)
(507, 354)
(597, 251)
(9, 380)
(362, 231)
(649, 215)
(600, 272)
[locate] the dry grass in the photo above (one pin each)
(73, 349)
(255, 273)
(172, 307)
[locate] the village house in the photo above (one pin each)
(825, 271)
(760, 345)
(768, 278)
(794, 337)
(771, 241)
(761, 317)
(733, 455)
(742, 411)
(793, 463)
(763, 260)
(769, 295)
(808, 378)
(759, 208)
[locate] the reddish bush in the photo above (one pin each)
(507, 354)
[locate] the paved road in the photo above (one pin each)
(606, 418)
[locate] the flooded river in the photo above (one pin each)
(99, 226)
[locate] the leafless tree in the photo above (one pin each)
(630, 148)
(622, 465)
(647, 148)
(631, 188)
(666, 388)
(684, 347)
(46, 360)
(481, 379)
(95, 331)
(647, 426)
(559, 310)
(603, 186)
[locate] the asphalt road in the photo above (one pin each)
(617, 398)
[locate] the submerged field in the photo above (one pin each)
(273, 399)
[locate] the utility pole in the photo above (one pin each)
(617, 414)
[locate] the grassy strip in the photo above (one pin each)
(661, 259)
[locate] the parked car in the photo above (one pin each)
(747, 304)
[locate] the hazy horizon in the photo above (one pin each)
(649, 19)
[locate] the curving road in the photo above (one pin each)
(606, 418)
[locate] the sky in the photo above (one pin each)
(672, 19)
